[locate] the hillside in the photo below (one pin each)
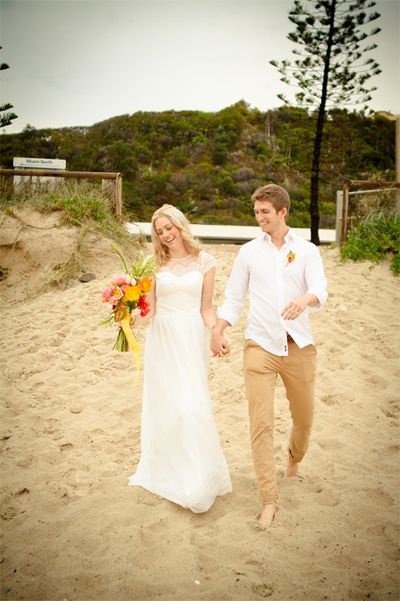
(208, 164)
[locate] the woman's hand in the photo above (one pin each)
(219, 345)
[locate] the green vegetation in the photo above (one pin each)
(6, 116)
(82, 206)
(208, 164)
(80, 203)
(329, 68)
(375, 238)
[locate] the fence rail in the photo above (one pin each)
(117, 177)
(365, 186)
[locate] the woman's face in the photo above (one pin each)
(169, 235)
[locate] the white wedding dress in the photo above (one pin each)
(181, 457)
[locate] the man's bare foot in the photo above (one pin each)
(267, 516)
(292, 467)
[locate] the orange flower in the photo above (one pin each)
(291, 256)
(145, 284)
(132, 293)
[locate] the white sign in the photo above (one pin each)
(28, 163)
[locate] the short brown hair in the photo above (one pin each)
(276, 195)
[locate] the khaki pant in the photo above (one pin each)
(297, 371)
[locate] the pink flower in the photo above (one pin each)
(121, 279)
(116, 294)
(106, 294)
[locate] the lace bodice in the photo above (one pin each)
(179, 284)
(201, 262)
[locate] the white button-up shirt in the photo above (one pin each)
(274, 277)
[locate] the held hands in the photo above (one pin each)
(219, 345)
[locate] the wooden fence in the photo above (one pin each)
(365, 186)
(117, 177)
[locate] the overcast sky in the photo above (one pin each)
(77, 62)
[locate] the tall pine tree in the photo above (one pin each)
(330, 67)
(8, 116)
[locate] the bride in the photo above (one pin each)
(181, 457)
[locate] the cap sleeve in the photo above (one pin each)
(207, 261)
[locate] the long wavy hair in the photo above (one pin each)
(161, 252)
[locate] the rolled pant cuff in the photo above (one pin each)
(293, 458)
(268, 500)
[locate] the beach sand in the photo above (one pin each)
(72, 529)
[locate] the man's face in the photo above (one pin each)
(267, 217)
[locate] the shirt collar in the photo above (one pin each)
(289, 236)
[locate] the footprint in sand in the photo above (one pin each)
(329, 444)
(379, 497)
(53, 428)
(377, 382)
(204, 530)
(65, 446)
(262, 590)
(25, 461)
(326, 498)
(16, 504)
(10, 512)
(330, 399)
(393, 448)
(391, 409)
(205, 563)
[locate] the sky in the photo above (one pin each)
(78, 62)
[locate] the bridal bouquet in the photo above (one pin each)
(127, 292)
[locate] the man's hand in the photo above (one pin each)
(296, 307)
(219, 344)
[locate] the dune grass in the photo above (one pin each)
(375, 238)
(82, 206)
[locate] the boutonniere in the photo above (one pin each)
(290, 257)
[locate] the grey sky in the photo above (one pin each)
(77, 62)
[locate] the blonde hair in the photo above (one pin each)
(176, 217)
(276, 195)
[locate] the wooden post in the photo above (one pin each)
(339, 216)
(345, 211)
(118, 197)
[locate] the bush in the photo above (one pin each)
(82, 204)
(376, 237)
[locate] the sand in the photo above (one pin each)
(72, 530)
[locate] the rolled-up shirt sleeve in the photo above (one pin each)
(315, 278)
(236, 290)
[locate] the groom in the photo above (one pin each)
(284, 276)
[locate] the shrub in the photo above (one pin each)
(376, 237)
(82, 204)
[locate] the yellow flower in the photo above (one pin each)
(291, 256)
(132, 293)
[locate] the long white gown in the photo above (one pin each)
(181, 457)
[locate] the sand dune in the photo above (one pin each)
(74, 531)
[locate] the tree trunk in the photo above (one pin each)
(319, 132)
(314, 198)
